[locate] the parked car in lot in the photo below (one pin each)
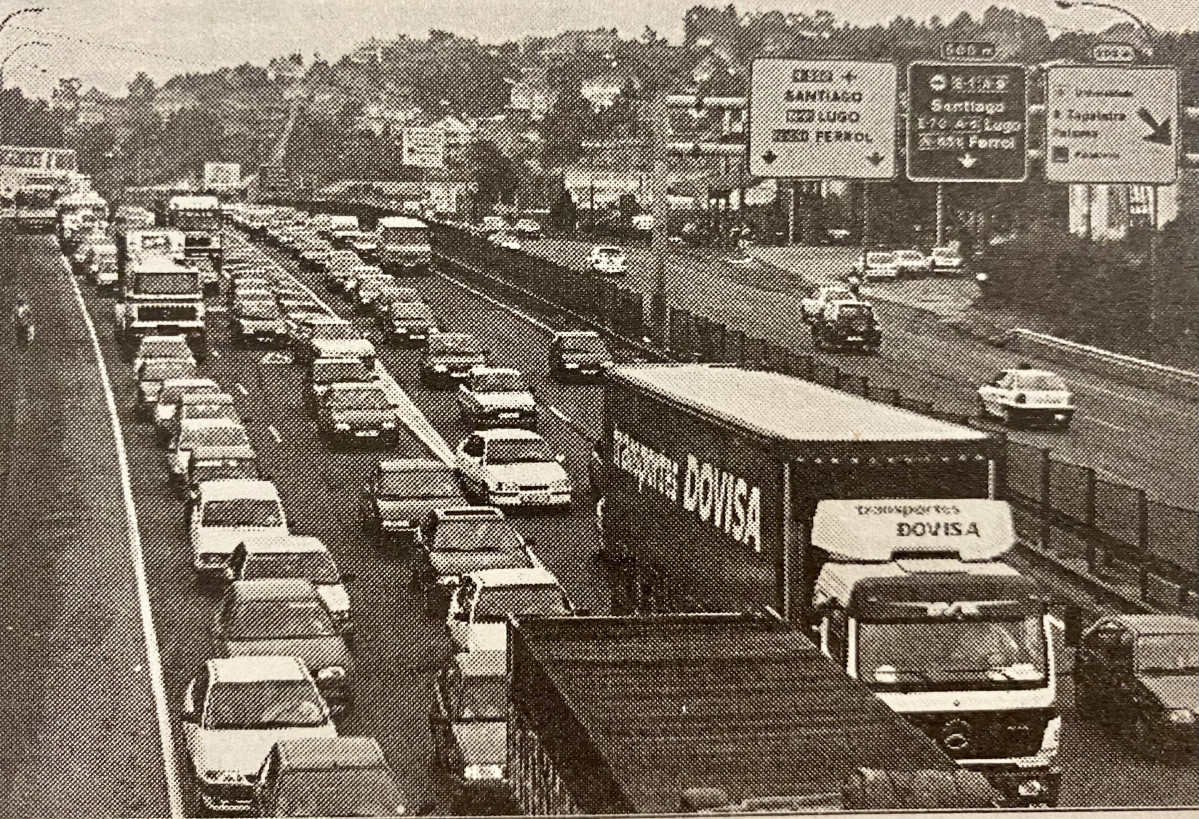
(496, 397)
(1139, 675)
(286, 617)
(282, 557)
(326, 371)
(478, 615)
(1024, 395)
(812, 307)
(408, 322)
(327, 776)
(398, 494)
(152, 375)
(229, 436)
(234, 711)
(224, 514)
(357, 413)
(578, 356)
(912, 263)
(162, 348)
(879, 264)
(513, 468)
(449, 358)
(456, 541)
(469, 724)
(607, 260)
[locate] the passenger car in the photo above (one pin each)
(912, 262)
(1140, 674)
(325, 371)
(496, 397)
(527, 229)
(459, 540)
(339, 267)
(607, 261)
(173, 348)
(257, 320)
(327, 776)
(1026, 395)
(946, 259)
(194, 406)
(275, 556)
(212, 465)
(879, 264)
(357, 412)
(408, 322)
(450, 357)
(513, 467)
(578, 356)
(811, 308)
(329, 337)
(220, 433)
(170, 396)
(469, 724)
(286, 617)
(152, 375)
(398, 494)
(505, 241)
(234, 711)
(477, 619)
(391, 293)
(225, 513)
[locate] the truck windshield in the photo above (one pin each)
(947, 654)
(1168, 654)
(166, 284)
(205, 220)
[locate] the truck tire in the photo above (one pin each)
(873, 789)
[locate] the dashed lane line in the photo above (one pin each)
(275, 434)
(242, 389)
(153, 658)
(540, 325)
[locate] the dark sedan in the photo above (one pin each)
(399, 494)
(258, 320)
(449, 358)
(357, 413)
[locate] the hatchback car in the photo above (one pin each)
(1139, 674)
(222, 434)
(578, 356)
(527, 229)
(478, 614)
(234, 711)
(449, 358)
(359, 413)
(496, 397)
(258, 320)
(339, 267)
(398, 494)
(194, 406)
(607, 261)
(325, 371)
(212, 465)
(225, 513)
(469, 724)
(390, 294)
(513, 468)
(327, 776)
(408, 323)
(1025, 395)
(170, 396)
(152, 375)
(286, 617)
(169, 348)
(274, 557)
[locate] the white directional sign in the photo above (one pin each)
(424, 147)
(1111, 124)
(822, 119)
(221, 176)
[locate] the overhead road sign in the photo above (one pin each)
(222, 176)
(423, 147)
(822, 119)
(1111, 124)
(967, 123)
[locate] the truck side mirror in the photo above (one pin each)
(188, 712)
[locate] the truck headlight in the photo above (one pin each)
(1180, 716)
(483, 771)
(341, 426)
(333, 672)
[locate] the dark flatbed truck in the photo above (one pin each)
(734, 712)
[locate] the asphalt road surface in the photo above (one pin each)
(398, 648)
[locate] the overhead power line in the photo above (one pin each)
(100, 44)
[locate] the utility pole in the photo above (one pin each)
(940, 214)
(659, 247)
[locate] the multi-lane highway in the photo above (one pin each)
(1127, 434)
(398, 648)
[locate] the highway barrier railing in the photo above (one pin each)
(1114, 532)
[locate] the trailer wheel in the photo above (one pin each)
(873, 789)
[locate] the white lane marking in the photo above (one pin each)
(153, 658)
(1086, 419)
(540, 325)
(571, 424)
(242, 389)
(275, 434)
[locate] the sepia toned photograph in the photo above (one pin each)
(539, 407)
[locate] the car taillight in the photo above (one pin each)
(1020, 398)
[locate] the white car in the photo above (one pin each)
(226, 436)
(880, 264)
(234, 712)
(912, 262)
(513, 467)
(224, 514)
(1025, 395)
(946, 258)
(280, 556)
(812, 308)
(527, 229)
(608, 261)
(478, 615)
(162, 347)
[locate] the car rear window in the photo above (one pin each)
(1039, 381)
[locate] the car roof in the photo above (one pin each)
(509, 435)
(1157, 623)
(533, 576)
(412, 465)
(482, 663)
(283, 544)
(257, 669)
(219, 453)
(276, 588)
(324, 753)
(237, 489)
(196, 424)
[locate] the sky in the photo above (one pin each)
(105, 42)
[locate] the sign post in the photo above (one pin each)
(967, 123)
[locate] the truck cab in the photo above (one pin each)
(404, 246)
(913, 601)
(159, 297)
(199, 217)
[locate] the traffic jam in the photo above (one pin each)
(712, 456)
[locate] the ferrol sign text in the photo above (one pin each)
(717, 497)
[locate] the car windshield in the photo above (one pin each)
(335, 331)
(220, 435)
(495, 603)
(245, 512)
(483, 698)
(500, 382)
(315, 566)
(942, 653)
(422, 483)
(339, 792)
(263, 705)
(165, 349)
(475, 536)
(363, 399)
(404, 236)
(191, 412)
(1167, 653)
(501, 452)
(260, 309)
(411, 310)
(608, 252)
(224, 470)
(852, 311)
(278, 620)
(880, 258)
(1039, 381)
(172, 395)
(162, 370)
(584, 344)
(329, 373)
(909, 255)
(457, 345)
